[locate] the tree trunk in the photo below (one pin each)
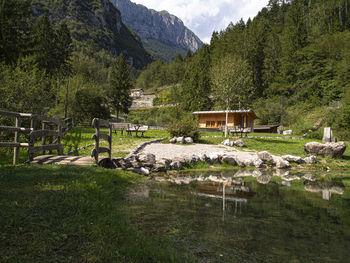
(58, 85)
(227, 105)
(340, 17)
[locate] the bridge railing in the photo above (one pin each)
(44, 133)
(97, 124)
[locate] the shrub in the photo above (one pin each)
(184, 127)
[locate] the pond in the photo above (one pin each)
(248, 215)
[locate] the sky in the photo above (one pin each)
(205, 16)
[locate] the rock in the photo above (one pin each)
(158, 168)
(331, 149)
(136, 164)
(265, 156)
(280, 163)
(257, 162)
(117, 161)
(107, 163)
(165, 162)
(288, 132)
(239, 143)
(176, 165)
(294, 159)
(228, 159)
(203, 157)
(226, 142)
(189, 140)
(132, 157)
(180, 139)
(144, 171)
(173, 140)
(147, 158)
(214, 158)
(310, 160)
(247, 159)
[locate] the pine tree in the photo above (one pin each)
(120, 86)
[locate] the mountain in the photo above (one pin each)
(96, 25)
(164, 35)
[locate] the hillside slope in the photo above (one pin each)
(96, 25)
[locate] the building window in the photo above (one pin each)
(207, 124)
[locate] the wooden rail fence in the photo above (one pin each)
(45, 133)
(97, 124)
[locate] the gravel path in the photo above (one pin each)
(171, 151)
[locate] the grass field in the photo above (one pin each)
(72, 214)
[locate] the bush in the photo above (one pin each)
(184, 127)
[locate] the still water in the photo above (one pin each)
(248, 215)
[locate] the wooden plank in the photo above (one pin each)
(102, 136)
(14, 144)
(49, 119)
(104, 123)
(44, 133)
(15, 114)
(103, 150)
(16, 148)
(14, 129)
(47, 147)
(96, 122)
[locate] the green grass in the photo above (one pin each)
(72, 214)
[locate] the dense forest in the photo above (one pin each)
(298, 59)
(294, 57)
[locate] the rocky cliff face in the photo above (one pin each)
(96, 25)
(160, 26)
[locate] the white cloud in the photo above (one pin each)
(205, 16)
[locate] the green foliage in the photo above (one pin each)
(340, 119)
(120, 86)
(161, 51)
(25, 88)
(185, 126)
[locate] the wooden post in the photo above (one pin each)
(16, 149)
(43, 139)
(60, 131)
(110, 142)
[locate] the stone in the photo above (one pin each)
(147, 158)
(107, 163)
(214, 158)
(229, 159)
(226, 142)
(165, 162)
(280, 163)
(293, 159)
(265, 156)
(257, 162)
(239, 143)
(180, 139)
(288, 132)
(310, 160)
(188, 140)
(176, 165)
(172, 140)
(144, 171)
(117, 161)
(136, 164)
(331, 149)
(203, 157)
(158, 168)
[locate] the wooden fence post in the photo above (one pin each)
(110, 142)
(43, 139)
(16, 148)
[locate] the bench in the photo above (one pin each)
(120, 127)
(136, 129)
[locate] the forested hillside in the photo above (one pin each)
(53, 50)
(297, 55)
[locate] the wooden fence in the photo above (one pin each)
(45, 133)
(97, 124)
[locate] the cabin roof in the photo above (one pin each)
(223, 111)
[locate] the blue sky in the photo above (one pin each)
(205, 16)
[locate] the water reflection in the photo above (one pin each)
(231, 186)
(248, 215)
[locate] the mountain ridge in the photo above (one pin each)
(161, 27)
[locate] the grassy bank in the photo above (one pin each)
(72, 214)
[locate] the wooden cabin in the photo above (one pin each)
(217, 119)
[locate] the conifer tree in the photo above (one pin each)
(120, 86)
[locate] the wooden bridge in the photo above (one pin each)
(42, 129)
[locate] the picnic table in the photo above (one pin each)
(137, 129)
(236, 130)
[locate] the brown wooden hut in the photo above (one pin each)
(217, 119)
